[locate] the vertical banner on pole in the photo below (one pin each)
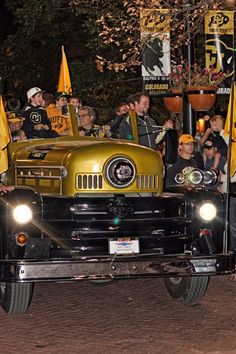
(219, 39)
(155, 34)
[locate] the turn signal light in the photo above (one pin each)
(21, 239)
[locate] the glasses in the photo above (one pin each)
(83, 115)
(208, 147)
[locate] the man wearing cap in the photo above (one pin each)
(36, 123)
(185, 162)
(58, 113)
(15, 123)
(212, 158)
(215, 133)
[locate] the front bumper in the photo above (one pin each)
(117, 268)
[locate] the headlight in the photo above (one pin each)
(22, 214)
(196, 176)
(120, 172)
(207, 211)
(179, 178)
(210, 177)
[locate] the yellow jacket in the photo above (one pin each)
(60, 123)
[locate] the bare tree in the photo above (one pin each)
(120, 28)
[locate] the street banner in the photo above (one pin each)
(64, 84)
(155, 35)
(219, 51)
(4, 138)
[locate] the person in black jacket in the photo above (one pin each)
(36, 123)
(213, 134)
(147, 129)
(120, 113)
(185, 162)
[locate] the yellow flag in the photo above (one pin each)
(64, 84)
(233, 159)
(227, 122)
(4, 138)
(227, 129)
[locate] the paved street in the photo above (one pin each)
(131, 317)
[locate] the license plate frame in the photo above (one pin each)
(124, 246)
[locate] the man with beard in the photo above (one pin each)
(147, 129)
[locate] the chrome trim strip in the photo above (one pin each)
(39, 177)
(41, 167)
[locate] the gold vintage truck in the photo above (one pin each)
(93, 209)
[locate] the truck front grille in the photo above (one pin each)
(143, 182)
(90, 182)
(147, 181)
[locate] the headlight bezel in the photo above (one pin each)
(213, 174)
(114, 166)
(196, 177)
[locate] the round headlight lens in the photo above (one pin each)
(196, 177)
(207, 211)
(210, 177)
(120, 172)
(22, 214)
(179, 178)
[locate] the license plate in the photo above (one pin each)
(124, 245)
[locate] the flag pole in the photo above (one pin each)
(228, 172)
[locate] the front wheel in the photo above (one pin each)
(190, 290)
(15, 298)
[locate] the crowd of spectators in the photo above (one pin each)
(46, 116)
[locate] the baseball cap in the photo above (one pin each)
(185, 139)
(58, 95)
(33, 92)
(15, 119)
(129, 99)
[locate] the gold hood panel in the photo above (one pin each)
(72, 167)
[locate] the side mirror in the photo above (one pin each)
(171, 143)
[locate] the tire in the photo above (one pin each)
(15, 298)
(190, 290)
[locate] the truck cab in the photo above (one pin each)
(94, 209)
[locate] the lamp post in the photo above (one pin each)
(230, 3)
(189, 119)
